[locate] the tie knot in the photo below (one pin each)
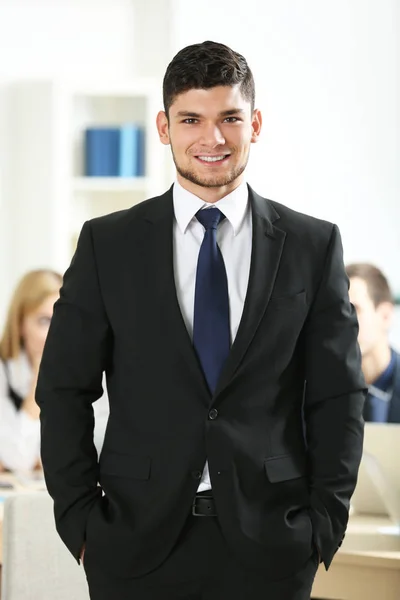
(210, 218)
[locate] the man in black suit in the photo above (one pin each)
(223, 324)
(373, 300)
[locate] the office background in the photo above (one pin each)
(327, 80)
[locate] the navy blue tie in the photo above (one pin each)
(211, 331)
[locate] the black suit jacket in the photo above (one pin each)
(285, 447)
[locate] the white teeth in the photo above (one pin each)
(211, 158)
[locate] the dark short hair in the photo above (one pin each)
(204, 66)
(377, 284)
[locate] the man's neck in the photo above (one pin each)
(375, 363)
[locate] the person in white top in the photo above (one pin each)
(21, 347)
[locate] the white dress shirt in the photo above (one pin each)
(234, 238)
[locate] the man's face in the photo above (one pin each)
(210, 132)
(373, 321)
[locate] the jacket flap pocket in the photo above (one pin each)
(285, 467)
(125, 465)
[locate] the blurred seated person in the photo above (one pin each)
(21, 348)
(371, 296)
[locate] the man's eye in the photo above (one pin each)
(190, 121)
(231, 119)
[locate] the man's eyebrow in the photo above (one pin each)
(187, 114)
(232, 111)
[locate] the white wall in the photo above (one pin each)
(327, 80)
(71, 37)
(46, 38)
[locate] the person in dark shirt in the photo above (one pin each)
(372, 298)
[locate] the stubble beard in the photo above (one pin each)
(209, 182)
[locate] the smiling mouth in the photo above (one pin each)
(212, 160)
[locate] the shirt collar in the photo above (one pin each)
(234, 206)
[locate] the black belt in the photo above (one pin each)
(204, 506)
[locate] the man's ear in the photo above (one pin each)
(386, 310)
(256, 124)
(162, 127)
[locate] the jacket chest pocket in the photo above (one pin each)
(292, 302)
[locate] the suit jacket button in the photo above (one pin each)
(213, 414)
(196, 474)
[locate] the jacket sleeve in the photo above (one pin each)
(70, 380)
(334, 399)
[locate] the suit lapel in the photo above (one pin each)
(160, 263)
(267, 246)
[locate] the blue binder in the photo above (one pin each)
(131, 151)
(102, 151)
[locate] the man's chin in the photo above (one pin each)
(208, 181)
(214, 183)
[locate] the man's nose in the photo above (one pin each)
(212, 136)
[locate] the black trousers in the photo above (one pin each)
(201, 567)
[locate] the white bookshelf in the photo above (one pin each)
(111, 184)
(51, 197)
